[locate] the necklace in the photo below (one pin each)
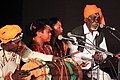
(11, 58)
(44, 49)
(61, 52)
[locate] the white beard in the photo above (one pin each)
(94, 29)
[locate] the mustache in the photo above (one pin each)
(18, 50)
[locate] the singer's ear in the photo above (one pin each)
(88, 19)
(85, 19)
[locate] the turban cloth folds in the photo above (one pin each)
(9, 32)
(92, 9)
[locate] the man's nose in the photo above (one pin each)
(96, 19)
(50, 34)
(20, 43)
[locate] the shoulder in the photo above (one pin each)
(32, 43)
(78, 30)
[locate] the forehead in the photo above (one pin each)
(58, 23)
(95, 15)
(47, 27)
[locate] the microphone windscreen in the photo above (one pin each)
(60, 37)
(101, 25)
(69, 34)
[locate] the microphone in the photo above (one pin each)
(108, 27)
(60, 37)
(69, 34)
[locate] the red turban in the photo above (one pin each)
(9, 32)
(91, 9)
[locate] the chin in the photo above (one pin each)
(94, 28)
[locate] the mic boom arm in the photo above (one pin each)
(92, 45)
(98, 49)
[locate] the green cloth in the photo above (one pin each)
(73, 76)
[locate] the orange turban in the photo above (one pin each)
(9, 32)
(91, 9)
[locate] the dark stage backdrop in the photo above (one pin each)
(70, 11)
(10, 12)
(71, 14)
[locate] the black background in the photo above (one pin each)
(69, 11)
(21, 12)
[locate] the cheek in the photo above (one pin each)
(46, 37)
(13, 47)
(58, 32)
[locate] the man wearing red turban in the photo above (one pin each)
(92, 35)
(91, 9)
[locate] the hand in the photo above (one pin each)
(98, 57)
(117, 55)
(55, 58)
(75, 53)
(17, 75)
(84, 64)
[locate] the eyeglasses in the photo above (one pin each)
(15, 41)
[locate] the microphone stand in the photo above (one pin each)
(114, 35)
(98, 69)
(98, 49)
(119, 69)
(92, 66)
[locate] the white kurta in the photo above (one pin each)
(88, 53)
(29, 54)
(11, 65)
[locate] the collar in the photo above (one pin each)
(86, 30)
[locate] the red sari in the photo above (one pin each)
(46, 49)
